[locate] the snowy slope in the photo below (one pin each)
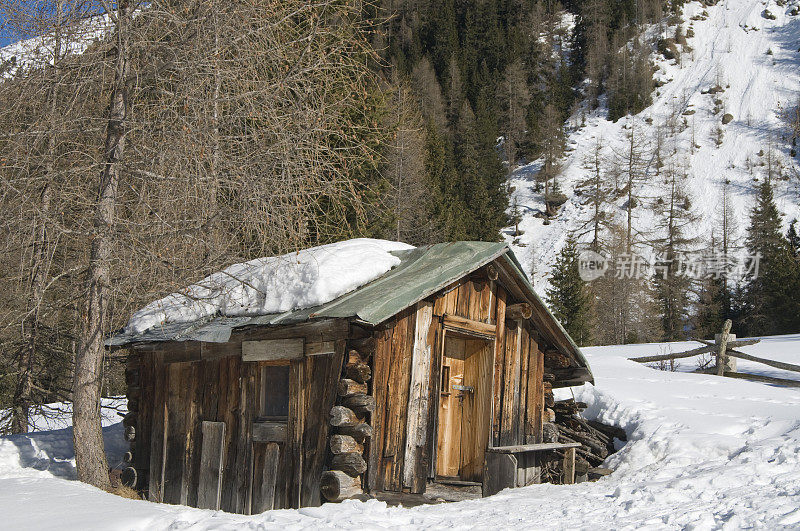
(40, 49)
(703, 453)
(756, 61)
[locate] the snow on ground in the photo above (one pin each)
(756, 61)
(275, 284)
(703, 452)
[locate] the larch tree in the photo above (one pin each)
(673, 243)
(516, 98)
(87, 435)
(596, 192)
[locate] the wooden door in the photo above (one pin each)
(464, 406)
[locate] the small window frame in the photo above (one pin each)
(267, 384)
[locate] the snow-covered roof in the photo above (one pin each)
(369, 280)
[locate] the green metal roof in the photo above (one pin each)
(422, 272)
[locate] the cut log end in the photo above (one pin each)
(351, 463)
(341, 444)
(344, 417)
(360, 432)
(336, 486)
(348, 388)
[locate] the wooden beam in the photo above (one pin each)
(519, 311)
(539, 447)
(312, 331)
(469, 326)
(268, 431)
(273, 349)
(318, 348)
(418, 406)
(569, 466)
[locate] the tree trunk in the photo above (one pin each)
(90, 459)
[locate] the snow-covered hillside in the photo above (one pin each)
(703, 452)
(756, 61)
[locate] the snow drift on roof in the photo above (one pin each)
(275, 284)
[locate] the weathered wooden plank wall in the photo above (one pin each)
(176, 397)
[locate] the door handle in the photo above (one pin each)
(465, 388)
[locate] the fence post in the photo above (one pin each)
(723, 361)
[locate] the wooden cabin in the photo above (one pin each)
(434, 372)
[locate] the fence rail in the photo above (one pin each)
(725, 349)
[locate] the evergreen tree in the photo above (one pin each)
(569, 296)
(771, 294)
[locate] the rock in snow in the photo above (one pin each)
(275, 284)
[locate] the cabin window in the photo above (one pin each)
(275, 392)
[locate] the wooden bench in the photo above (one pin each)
(515, 466)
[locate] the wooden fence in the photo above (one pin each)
(724, 346)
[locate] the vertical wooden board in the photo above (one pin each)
(294, 435)
(144, 416)
(158, 433)
(176, 433)
(521, 400)
(499, 473)
(399, 382)
(392, 419)
(243, 473)
(484, 301)
(450, 299)
(230, 387)
(499, 363)
(322, 375)
(510, 386)
(569, 466)
(380, 390)
(194, 419)
(211, 391)
(535, 396)
(492, 290)
(464, 297)
(440, 304)
(469, 412)
(483, 403)
(418, 396)
(438, 333)
(266, 461)
(209, 485)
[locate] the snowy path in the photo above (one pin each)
(703, 453)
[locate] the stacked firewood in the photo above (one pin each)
(349, 419)
(567, 426)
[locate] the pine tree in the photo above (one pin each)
(569, 296)
(771, 295)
